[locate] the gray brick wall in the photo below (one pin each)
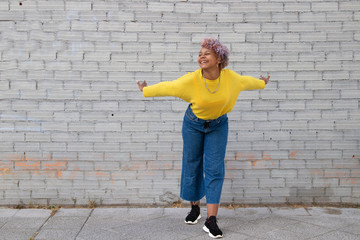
(74, 127)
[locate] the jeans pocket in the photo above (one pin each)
(190, 115)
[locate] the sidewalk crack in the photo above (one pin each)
(92, 210)
(39, 229)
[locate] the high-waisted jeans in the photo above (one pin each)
(203, 167)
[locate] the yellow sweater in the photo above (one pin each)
(192, 89)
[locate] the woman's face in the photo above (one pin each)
(207, 59)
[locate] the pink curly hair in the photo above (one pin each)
(220, 50)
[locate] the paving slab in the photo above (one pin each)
(275, 221)
(141, 214)
(251, 213)
(330, 222)
(106, 222)
(18, 234)
(338, 212)
(93, 234)
(354, 228)
(65, 222)
(21, 223)
(5, 213)
(180, 212)
(3, 221)
(337, 235)
(252, 228)
(286, 211)
(33, 213)
(281, 234)
(56, 234)
(78, 212)
(307, 230)
(110, 212)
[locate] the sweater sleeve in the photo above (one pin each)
(177, 88)
(251, 83)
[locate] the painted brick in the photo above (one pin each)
(187, 7)
(11, 16)
(150, 37)
(285, 174)
(350, 5)
(257, 37)
(160, 7)
(339, 16)
(109, 126)
(243, 7)
(248, 192)
(247, 27)
(273, 66)
(255, 17)
(274, 27)
(217, 7)
(230, 17)
(108, 6)
(26, 147)
(345, 104)
(96, 36)
(83, 26)
(297, 7)
(137, 27)
(50, 5)
(4, 6)
(285, 17)
(78, 6)
(324, 6)
(298, 47)
(270, 7)
(281, 116)
(274, 183)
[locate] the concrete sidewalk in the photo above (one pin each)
(168, 223)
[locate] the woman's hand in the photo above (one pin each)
(266, 80)
(141, 85)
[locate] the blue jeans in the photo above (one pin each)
(203, 167)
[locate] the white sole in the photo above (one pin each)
(194, 222)
(210, 235)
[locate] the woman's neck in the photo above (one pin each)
(211, 74)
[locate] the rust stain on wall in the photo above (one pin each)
(5, 170)
(256, 163)
(266, 156)
(350, 181)
(33, 166)
(241, 155)
(292, 155)
(316, 172)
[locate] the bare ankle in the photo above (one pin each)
(195, 203)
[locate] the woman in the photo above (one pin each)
(212, 92)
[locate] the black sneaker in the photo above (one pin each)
(212, 228)
(194, 215)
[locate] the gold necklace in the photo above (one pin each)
(207, 85)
